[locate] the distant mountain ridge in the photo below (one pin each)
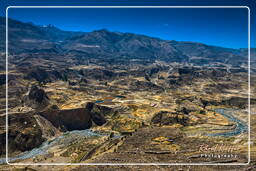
(56, 34)
(27, 37)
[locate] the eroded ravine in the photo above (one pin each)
(67, 137)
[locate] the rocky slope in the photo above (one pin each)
(143, 98)
(76, 119)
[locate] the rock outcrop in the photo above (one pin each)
(24, 133)
(37, 94)
(29, 130)
(97, 113)
(240, 102)
(77, 119)
(43, 76)
(37, 98)
(48, 130)
(68, 120)
(168, 118)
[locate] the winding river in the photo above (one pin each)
(241, 127)
(67, 137)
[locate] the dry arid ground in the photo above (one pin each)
(112, 97)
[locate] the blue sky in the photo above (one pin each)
(221, 27)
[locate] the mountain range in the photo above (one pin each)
(111, 97)
(30, 38)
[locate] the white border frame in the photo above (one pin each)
(130, 164)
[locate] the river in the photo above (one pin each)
(67, 137)
(241, 127)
